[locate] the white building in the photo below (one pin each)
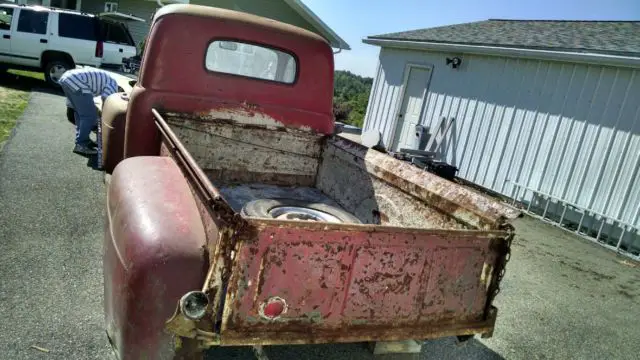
(547, 112)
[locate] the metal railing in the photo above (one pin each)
(628, 230)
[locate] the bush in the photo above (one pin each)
(350, 97)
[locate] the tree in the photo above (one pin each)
(350, 97)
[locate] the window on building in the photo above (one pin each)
(255, 61)
(6, 15)
(110, 6)
(34, 22)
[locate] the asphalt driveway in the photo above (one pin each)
(50, 251)
(562, 297)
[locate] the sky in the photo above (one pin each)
(354, 20)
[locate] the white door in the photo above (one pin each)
(6, 18)
(30, 39)
(409, 114)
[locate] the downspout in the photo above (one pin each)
(334, 53)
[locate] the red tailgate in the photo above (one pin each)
(352, 283)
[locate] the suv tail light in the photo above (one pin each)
(99, 49)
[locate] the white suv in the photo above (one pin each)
(55, 40)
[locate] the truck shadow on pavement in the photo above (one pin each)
(445, 348)
(24, 83)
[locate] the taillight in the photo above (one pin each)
(99, 49)
(273, 308)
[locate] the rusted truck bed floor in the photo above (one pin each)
(239, 195)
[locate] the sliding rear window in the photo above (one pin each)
(251, 60)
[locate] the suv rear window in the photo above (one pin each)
(250, 60)
(77, 27)
(116, 33)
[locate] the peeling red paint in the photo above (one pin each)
(343, 278)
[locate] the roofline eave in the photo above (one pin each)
(334, 39)
(590, 58)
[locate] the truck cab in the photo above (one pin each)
(235, 216)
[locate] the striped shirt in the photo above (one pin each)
(90, 81)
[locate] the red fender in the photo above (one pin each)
(154, 252)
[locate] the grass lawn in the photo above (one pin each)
(15, 86)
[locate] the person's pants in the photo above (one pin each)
(86, 113)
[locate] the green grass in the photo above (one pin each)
(27, 74)
(12, 104)
(15, 86)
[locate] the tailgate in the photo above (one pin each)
(346, 283)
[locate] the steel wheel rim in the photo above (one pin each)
(56, 72)
(302, 214)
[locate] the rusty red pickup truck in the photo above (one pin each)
(235, 215)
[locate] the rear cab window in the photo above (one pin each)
(6, 16)
(33, 22)
(77, 27)
(251, 60)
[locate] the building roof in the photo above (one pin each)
(306, 13)
(621, 38)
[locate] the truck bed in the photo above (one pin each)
(425, 262)
(372, 186)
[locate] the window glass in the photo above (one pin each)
(77, 27)
(237, 58)
(34, 22)
(6, 15)
(116, 33)
(110, 6)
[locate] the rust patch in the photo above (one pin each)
(231, 177)
(352, 279)
(360, 333)
(463, 204)
(346, 179)
(234, 152)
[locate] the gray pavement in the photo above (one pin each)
(562, 298)
(50, 241)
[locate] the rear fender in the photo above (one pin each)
(154, 252)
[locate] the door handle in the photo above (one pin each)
(5, 36)
(120, 50)
(44, 41)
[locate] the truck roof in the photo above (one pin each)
(237, 16)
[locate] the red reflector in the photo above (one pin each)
(273, 308)
(99, 49)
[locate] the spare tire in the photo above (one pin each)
(293, 209)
